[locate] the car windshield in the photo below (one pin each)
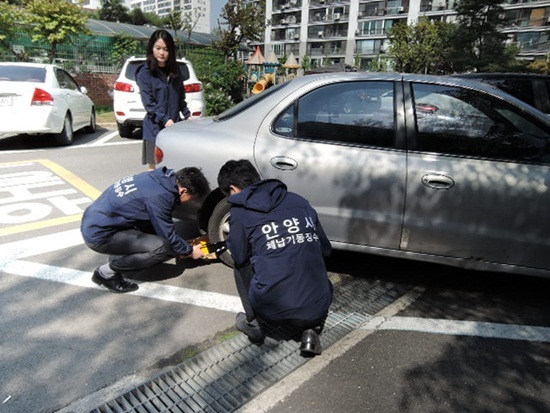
(247, 103)
(18, 73)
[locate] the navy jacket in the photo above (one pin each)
(278, 232)
(138, 200)
(163, 98)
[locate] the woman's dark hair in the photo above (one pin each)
(239, 173)
(193, 180)
(171, 66)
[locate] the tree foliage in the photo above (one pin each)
(421, 48)
(55, 22)
(114, 11)
(479, 44)
(241, 20)
(224, 82)
(10, 17)
(125, 46)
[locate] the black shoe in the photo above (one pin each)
(116, 284)
(252, 329)
(311, 344)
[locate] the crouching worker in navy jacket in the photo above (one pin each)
(132, 222)
(278, 246)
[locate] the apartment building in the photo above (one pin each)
(197, 10)
(353, 31)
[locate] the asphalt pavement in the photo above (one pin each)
(397, 362)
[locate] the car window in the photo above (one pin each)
(22, 73)
(249, 102)
(520, 88)
(132, 66)
(459, 121)
(65, 80)
(349, 112)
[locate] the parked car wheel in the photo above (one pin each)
(66, 136)
(218, 228)
(125, 131)
(93, 123)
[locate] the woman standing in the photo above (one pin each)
(162, 92)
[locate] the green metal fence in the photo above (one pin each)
(84, 54)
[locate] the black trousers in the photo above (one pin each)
(243, 279)
(133, 250)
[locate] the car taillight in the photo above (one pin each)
(193, 87)
(124, 87)
(159, 155)
(41, 97)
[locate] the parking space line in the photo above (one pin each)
(39, 245)
(205, 299)
(12, 263)
(460, 328)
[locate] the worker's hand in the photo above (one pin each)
(196, 253)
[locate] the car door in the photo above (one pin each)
(477, 180)
(336, 146)
(76, 101)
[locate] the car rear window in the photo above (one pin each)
(17, 73)
(249, 102)
(132, 68)
(519, 88)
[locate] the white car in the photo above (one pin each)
(128, 108)
(37, 98)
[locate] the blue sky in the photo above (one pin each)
(215, 8)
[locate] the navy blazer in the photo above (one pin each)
(163, 99)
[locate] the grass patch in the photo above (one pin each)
(105, 114)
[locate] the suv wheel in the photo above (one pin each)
(125, 131)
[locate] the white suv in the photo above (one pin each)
(129, 111)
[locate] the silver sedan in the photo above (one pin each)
(429, 168)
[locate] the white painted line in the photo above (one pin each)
(13, 252)
(156, 291)
(105, 138)
(460, 328)
(39, 245)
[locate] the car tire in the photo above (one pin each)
(218, 228)
(91, 128)
(66, 137)
(125, 131)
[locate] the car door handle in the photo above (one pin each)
(283, 163)
(437, 181)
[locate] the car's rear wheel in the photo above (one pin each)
(124, 130)
(66, 136)
(218, 228)
(91, 128)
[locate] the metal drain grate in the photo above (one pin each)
(225, 377)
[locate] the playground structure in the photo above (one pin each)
(262, 72)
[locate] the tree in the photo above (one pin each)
(241, 21)
(10, 16)
(421, 48)
(190, 21)
(479, 45)
(137, 17)
(174, 21)
(124, 47)
(114, 11)
(55, 22)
